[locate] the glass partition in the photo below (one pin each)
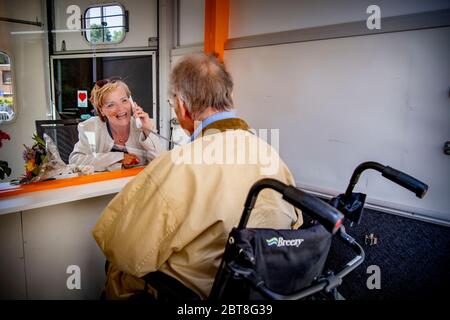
(73, 78)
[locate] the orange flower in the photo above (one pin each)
(30, 165)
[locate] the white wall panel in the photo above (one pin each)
(343, 101)
(143, 24)
(191, 20)
(12, 263)
(57, 237)
(252, 17)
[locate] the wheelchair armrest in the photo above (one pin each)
(169, 288)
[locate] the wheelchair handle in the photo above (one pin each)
(327, 215)
(401, 178)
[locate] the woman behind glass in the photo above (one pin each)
(111, 140)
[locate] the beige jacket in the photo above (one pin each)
(95, 143)
(175, 216)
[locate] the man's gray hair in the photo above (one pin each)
(201, 81)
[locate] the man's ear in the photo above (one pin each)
(184, 116)
(184, 112)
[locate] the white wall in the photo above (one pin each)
(57, 237)
(191, 22)
(30, 72)
(142, 17)
(12, 267)
(251, 17)
(189, 30)
(38, 245)
(343, 101)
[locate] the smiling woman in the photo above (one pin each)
(112, 140)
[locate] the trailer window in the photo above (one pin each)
(105, 24)
(6, 89)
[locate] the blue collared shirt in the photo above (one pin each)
(213, 118)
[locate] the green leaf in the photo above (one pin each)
(36, 171)
(38, 140)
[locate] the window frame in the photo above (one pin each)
(155, 104)
(13, 88)
(125, 26)
(4, 77)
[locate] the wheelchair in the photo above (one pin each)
(269, 264)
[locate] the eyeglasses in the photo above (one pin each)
(101, 83)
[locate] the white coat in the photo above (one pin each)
(95, 144)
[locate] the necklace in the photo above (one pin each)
(120, 138)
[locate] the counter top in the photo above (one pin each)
(15, 198)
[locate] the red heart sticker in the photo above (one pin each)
(82, 96)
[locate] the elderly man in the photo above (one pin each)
(175, 216)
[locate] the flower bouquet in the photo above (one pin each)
(43, 162)
(34, 157)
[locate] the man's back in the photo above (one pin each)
(176, 215)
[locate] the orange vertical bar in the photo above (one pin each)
(217, 14)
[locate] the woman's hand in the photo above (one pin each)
(129, 160)
(147, 122)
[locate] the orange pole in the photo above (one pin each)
(217, 14)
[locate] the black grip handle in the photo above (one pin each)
(406, 181)
(319, 210)
(327, 215)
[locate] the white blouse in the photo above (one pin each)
(95, 144)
